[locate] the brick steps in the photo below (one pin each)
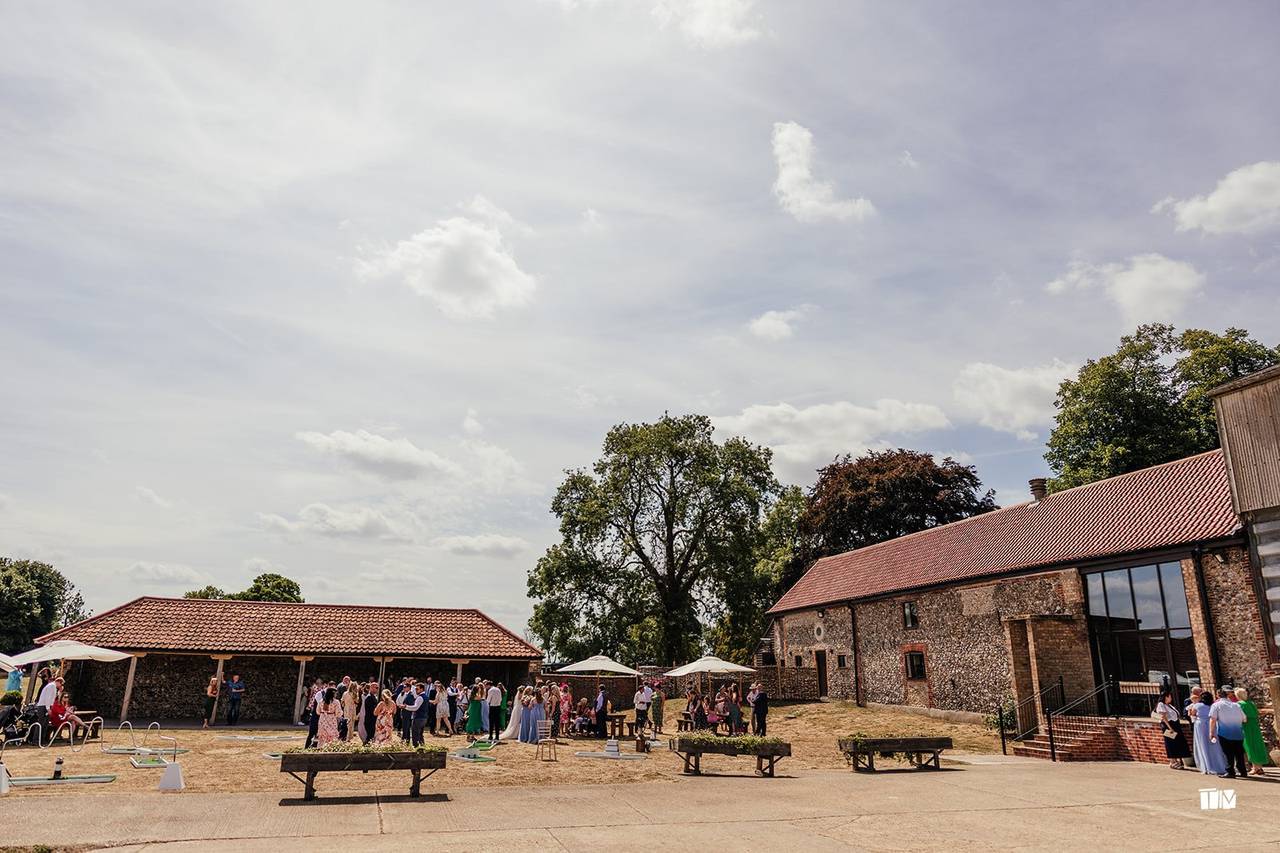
(1077, 739)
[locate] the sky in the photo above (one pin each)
(341, 290)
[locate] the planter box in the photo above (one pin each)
(691, 753)
(312, 763)
(861, 754)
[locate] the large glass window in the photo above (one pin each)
(1139, 628)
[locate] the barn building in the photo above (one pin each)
(1097, 595)
(178, 644)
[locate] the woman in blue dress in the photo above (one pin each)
(1209, 755)
(533, 715)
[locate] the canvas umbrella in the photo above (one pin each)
(711, 665)
(597, 665)
(67, 650)
(7, 664)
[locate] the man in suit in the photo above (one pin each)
(370, 704)
(602, 713)
(760, 710)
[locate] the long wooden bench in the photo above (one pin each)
(312, 763)
(692, 750)
(921, 752)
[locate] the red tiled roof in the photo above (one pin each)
(202, 625)
(1171, 504)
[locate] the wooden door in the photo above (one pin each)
(820, 661)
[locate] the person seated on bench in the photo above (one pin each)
(581, 722)
(62, 712)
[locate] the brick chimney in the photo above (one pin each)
(1038, 488)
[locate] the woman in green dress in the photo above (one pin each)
(475, 726)
(1254, 746)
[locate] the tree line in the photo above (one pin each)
(673, 542)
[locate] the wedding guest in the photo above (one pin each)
(483, 687)
(420, 708)
(1226, 726)
(1175, 742)
(760, 710)
(210, 699)
(566, 707)
(474, 704)
(384, 729)
(602, 713)
(451, 694)
(369, 717)
(327, 717)
(1255, 748)
(656, 709)
(350, 705)
(1208, 754)
(493, 698)
(534, 714)
(444, 720)
(235, 694)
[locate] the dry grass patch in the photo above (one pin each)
(222, 766)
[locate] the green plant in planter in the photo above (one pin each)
(745, 743)
(12, 697)
(355, 747)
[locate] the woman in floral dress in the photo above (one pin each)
(386, 715)
(327, 728)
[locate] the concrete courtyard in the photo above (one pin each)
(994, 802)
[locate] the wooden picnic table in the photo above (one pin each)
(861, 752)
(312, 763)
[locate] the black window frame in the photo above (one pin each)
(908, 658)
(799, 661)
(910, 615)
(842, 662)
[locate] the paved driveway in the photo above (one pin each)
(1014, 805)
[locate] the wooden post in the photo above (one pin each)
(128, 686)
(458, 664)
(382, 671)
(213, 715)
(297, 698)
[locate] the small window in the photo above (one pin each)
(841, 662)
(910, 616)
(799, 661)
(915, 666)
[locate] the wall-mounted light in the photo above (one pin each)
(1217, 555)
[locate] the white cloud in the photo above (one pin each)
(1148, 288)
(261, 565)
(323, 520)
(799, 193)
(481, 545)
(1010, 400)
(471, 423)
(492, 467)
(396, 459)
(1246, 201)
(905, 159)
(710, 23)
(803, 439)
(585, 397)
(592, 221)
(461, 264)
(776, 325)
(151, 497)
(165, 574)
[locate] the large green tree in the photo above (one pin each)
(35, 598)
(265, 587)
(882, 495)
(653, 539)
(1147, 402)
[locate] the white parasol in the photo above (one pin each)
(598, 664)
(67, 650)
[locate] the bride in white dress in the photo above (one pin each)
(512, 731)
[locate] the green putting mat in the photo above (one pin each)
(65, 780)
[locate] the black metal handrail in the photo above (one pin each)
(1085, 706)
(1050, 697)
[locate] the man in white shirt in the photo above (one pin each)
(493, 698)
(641, 700)
(49, 693)
(411, 701)
(1226, 728)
